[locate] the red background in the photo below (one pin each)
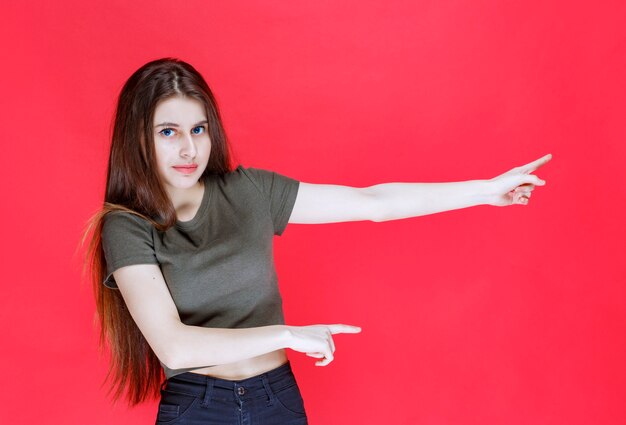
(486, 315)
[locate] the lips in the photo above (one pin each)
(185, 169)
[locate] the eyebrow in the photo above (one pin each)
(173, 124)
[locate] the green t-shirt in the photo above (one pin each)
(219, 266)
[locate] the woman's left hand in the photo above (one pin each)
(515, 186)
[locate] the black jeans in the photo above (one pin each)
(269, 398)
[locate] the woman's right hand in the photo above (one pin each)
(317, 340)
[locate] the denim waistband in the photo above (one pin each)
(260, 385)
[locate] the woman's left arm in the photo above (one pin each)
(325, 203)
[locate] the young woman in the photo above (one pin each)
(190, 306)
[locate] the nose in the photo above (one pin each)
(188, 148)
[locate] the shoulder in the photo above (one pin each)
(246, 172)
(122, 221)
(126, 217)
(269, 183)
(260, 176)
(246, 175)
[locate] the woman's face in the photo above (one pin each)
(181, 142)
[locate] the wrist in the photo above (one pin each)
(485, 192)
(284, 336)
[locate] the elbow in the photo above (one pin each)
(179, 358)
(171, 362)
(172, 352)
(376, 205)
(171, 358)
(180, 355)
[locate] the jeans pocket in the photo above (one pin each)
(291, 399)
(173, 406)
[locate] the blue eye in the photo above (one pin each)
(164, 130)
(201, 128)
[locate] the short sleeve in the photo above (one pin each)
(126, 240)
(279, 190)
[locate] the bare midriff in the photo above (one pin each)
(246, 368)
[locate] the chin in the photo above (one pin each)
(183, 182)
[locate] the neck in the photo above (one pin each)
(186, 201)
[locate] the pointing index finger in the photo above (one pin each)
(532, 166)
(340, 328)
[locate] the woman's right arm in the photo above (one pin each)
(182, 346)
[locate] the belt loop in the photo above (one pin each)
(268, 389)
(209, 390)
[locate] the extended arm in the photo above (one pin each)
(325, 203)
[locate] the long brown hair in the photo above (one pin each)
(133, 185)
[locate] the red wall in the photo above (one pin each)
(485, 315)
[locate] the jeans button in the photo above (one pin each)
(241, 390)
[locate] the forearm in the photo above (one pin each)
(196, 346)
(402, 200)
